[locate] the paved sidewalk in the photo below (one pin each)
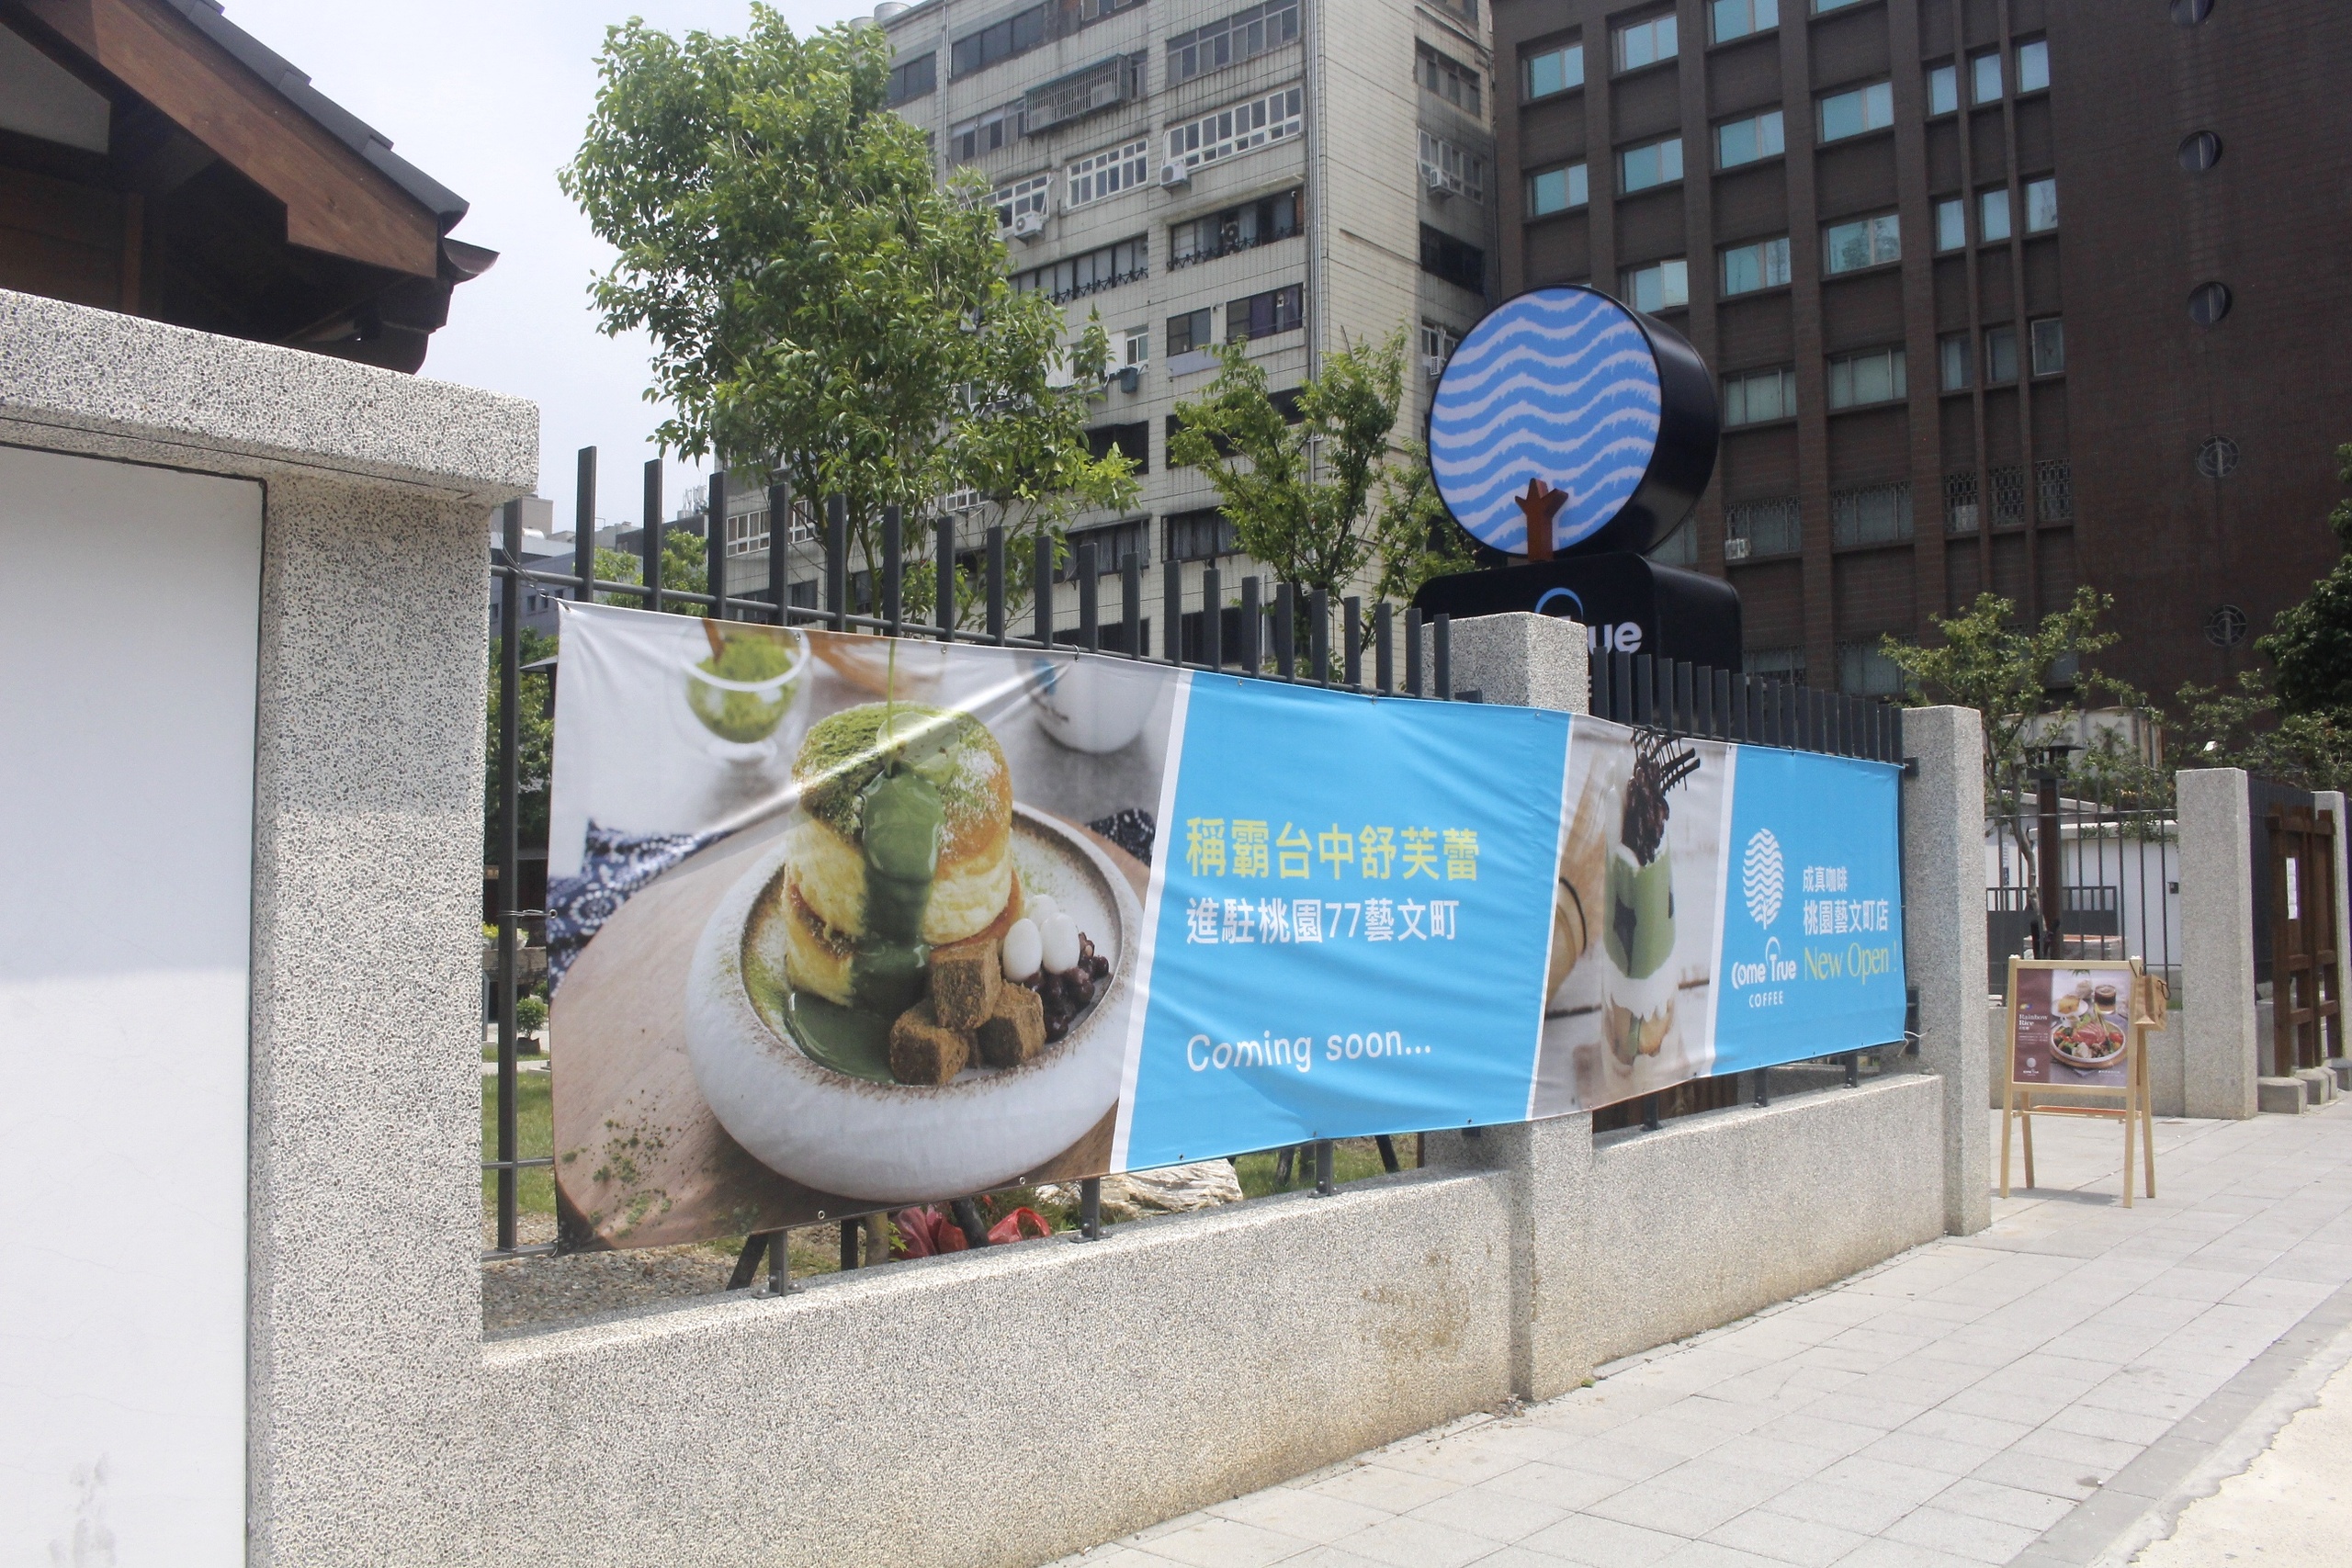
(2293, 1506)
(2053, 1391)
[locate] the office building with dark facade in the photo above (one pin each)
(2006, 294)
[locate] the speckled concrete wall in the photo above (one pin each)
(1007, 1406)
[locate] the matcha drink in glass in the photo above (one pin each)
(742, 688)
(1638, 927)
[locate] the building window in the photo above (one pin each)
(1243, 228)
(1943, 90)
(1759, 396)
(1865, 670)
(1878, 515)
(1132, 441)
(1447, 167)
(1244, 35)
(1856, 110)
(1865, 241)
(1678, 548)
(2033, 65)
(1762, 265)
(747, 532)
(1645, 42)
(1074, 278)
(983, 133)
(2000, 356)
(1553, 71)
(1992, 216)
(1032, 195)
(1017, 34)
(1951, 362)
(1229, 132)
(1859, 380)
(1067, 99)
(1741, 142)
(1821, 5)
(1112, 544)
(1458, 263)
(1660, 286)
(1984, 77)
(1199, 535)
(1651, 165)
(2009, 495)
(2053, 490)
(1555, 190)
(2049, 338)
(2041, 206)
(1438, 344)
(1737, 19)
(1263, 315)
(1135, 347)
(911, 79)
(1108, 173)
(1774, 664)
(1960, 516)
(1448, 78)
(1951, 224)
(1770, 527)
(1190, 331)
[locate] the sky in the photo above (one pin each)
(490, 97)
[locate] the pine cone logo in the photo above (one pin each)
(1760, 877)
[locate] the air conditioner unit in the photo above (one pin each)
(1433, 180)
(1028, 225)
(1734, 550)
(1174, 175)
(1434, 364)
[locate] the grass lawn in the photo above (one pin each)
(535, 1138)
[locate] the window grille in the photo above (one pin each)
(1242, 128)
(2054, 489)
(1234, 228)
(1074, 278)
(1461, 173)
(1229, 40)
(1877, 515)
(1105, 85)
(2009, 495)
(1199, 535)
(1961, 515)
(1770, 527)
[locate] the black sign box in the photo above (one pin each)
(1627, 603)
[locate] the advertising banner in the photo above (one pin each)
(840, 921)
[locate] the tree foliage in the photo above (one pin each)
(535, 750)
(2311, 643)
(683, 570)
(1298, 494)
(817, 299)
(1414, 537)
(1984, 660)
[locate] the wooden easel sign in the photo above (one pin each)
(2077, 1044)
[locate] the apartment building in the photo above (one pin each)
(2003, 294)
(1295, 172)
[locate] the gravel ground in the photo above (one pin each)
(535, 1291)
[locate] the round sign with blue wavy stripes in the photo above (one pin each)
(1557, 406)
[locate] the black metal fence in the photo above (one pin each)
(1282, 635)
(2076, 871)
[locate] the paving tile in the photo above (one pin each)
(1496, 1516)
(1984, 1499)
(1900, 1481)
(1709, 1555)
(1955, 1426)
(1606, 1456)
(1884, 1553)
(1708, 1476)
(2121, 1425)
(1377, 1486)
(1669, 1433)
(1417, 1543)
(1920, 1452)
(1223, 1543)
(1774, 1456)
(1808, 1430)
(1669, 1510)
(1601, 1543)
(1330, 1557)
(1876, 1413)
(1785, 1539)
(1962, 1535)
(1537, 1481)
(1846, 1507)
(2073, 1479)
(1465, 1463)
(1307, 1514)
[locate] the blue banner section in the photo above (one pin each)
(1354, 921)
(1812, 940)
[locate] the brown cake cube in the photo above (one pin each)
(924, 1051)
(1015, 1028)
(965, 980)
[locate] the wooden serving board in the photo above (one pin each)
(640, 1159)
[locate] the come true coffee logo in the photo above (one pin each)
(1762, 875)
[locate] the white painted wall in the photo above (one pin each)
(126, 689)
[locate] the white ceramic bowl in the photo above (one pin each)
(901, 1142)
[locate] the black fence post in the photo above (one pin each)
(1412, 653)
(1287, 630)
(943, 550)
(1252, 626)
(1090, 605)
(1131, 604)
(1041, 590)
(837, 561)
(649, 545)
(780, 550)
(510, 698)
(996, 583)
(849, 1244)
(714, 542)
(1383, 656)
(1318, 635)
(1212, 618)
(1352, 642)
(1172, 611)
(1443, 638)
(1325, 1185)
(583, 529)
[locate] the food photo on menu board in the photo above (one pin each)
(2072, 1027)
(839, 923)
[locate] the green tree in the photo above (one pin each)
(1414, 537)
(2311, 643)
(2249, 727)
(683, 570)
(535, 750)
(818, 302)
(1298, 489)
